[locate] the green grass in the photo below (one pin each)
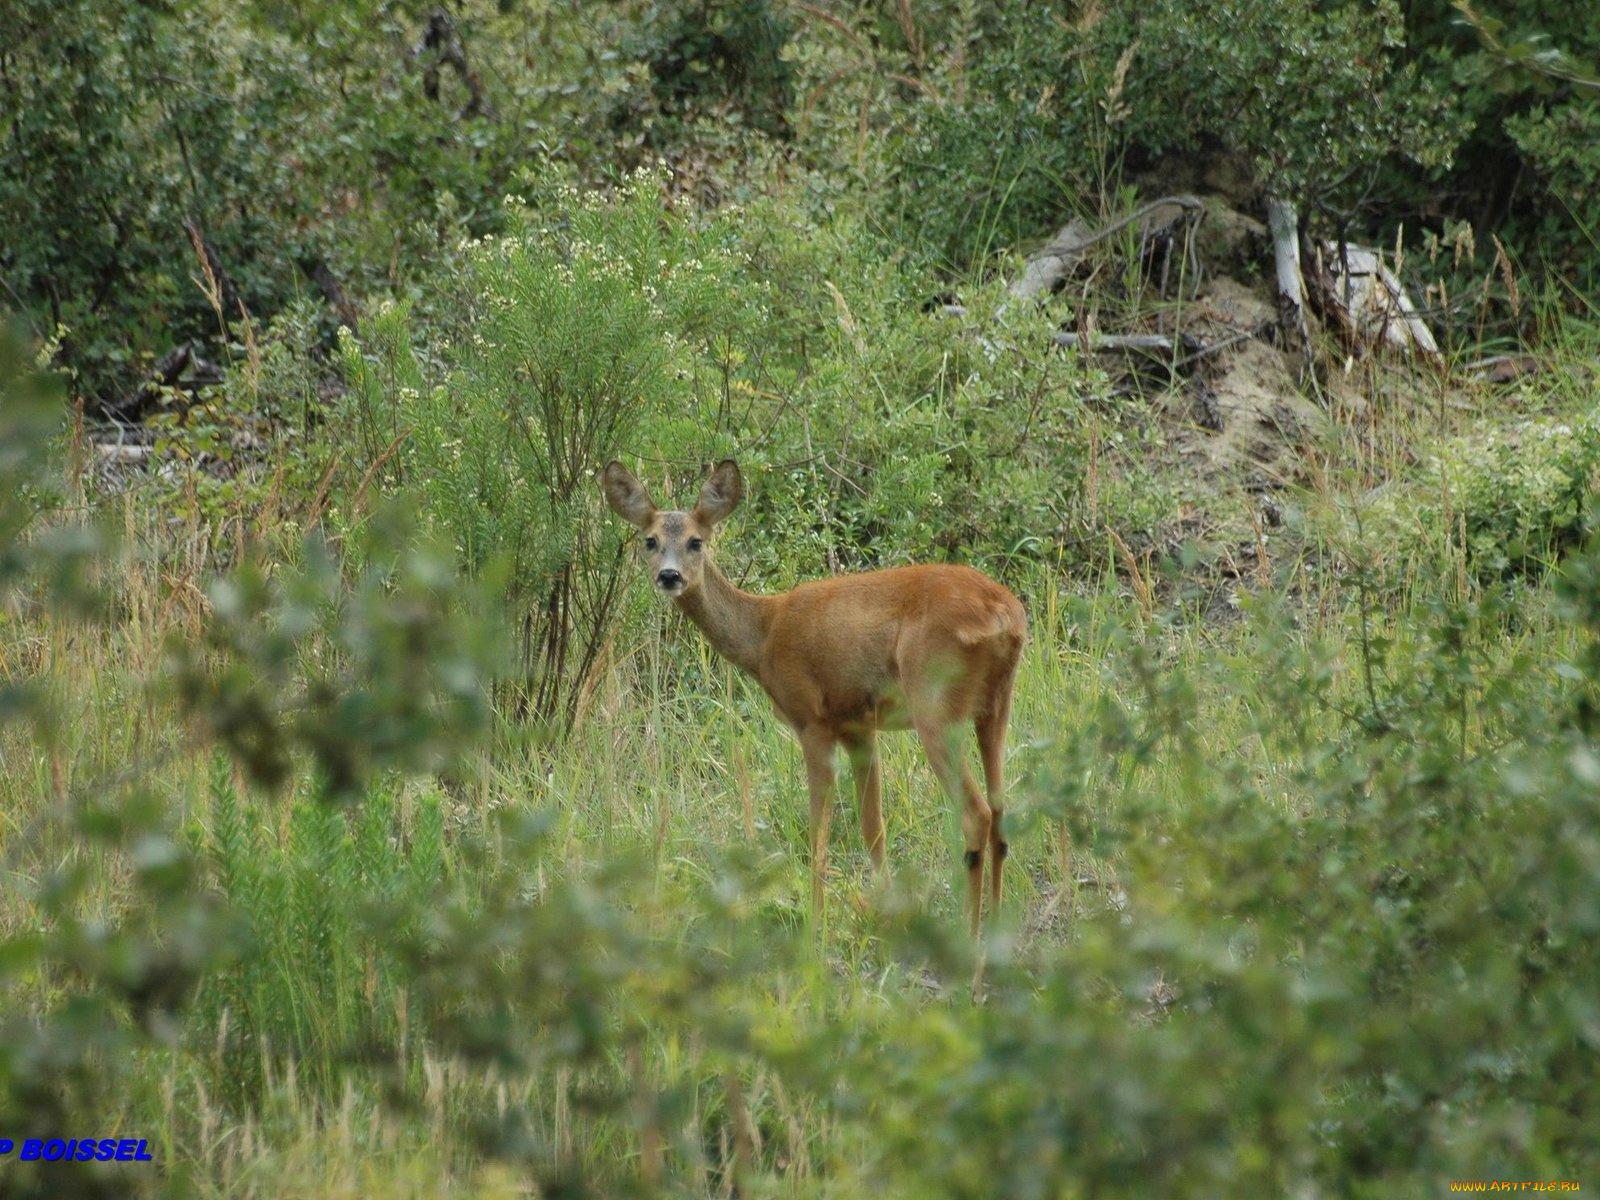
(1300, 894)
(679, 772)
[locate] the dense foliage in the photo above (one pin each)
(334, 150)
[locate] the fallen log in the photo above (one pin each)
(132, 405)
(1365, 301)
(1502, 368)
(1050, 266)
(1158, 345)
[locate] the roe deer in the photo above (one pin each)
(925, 648)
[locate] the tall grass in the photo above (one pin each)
(691, 1052)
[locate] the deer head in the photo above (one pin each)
(674, 542)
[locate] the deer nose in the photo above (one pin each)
(668, 578)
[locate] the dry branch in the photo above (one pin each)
(442, 44)
(318, 271)
(1050, 266)
(178, 367)
(1157, 344)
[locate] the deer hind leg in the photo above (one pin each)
(941, 743)
(991, 728)
(863, 752)
(817, 747)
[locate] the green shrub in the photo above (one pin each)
(302, 148)
(586, 330)
(1559, 140)
(1054, 110)
(1524, 73)
(946, 439)
(715, 57)
(1511, 502)
(589, 320)
(1380, 980)
(1524, 497)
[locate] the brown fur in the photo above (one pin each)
(926, 648)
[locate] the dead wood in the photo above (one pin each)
(1502, 368)
(1284, 225)
(123, 452)
(442, 45)
(1158, 345)
(318, 271)
(179, 367)
(1164, 225)
(1365, 301)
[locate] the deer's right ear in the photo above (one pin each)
(626, 495)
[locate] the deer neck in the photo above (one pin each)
(734, 621)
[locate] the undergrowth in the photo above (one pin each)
(1302, 901)
(1302, 892)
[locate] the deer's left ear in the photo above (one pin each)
(721, 493)
(626, 495)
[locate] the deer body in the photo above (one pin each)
(927, 648)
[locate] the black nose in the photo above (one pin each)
(669, 578)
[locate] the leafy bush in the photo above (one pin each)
(947, 439)
(1507, 503)
(715, 54)
(588, 318)
(1559, 141)
(287, 151)
(1523, 498)
(1015, 156)
(1054, 110)
(94, 195)
(1381, 979)
(1525, 73)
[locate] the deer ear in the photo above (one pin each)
(626, 495)
(721, 493)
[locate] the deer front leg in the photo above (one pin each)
(817, 746)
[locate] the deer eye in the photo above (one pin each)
(650, 543)
(695, 544)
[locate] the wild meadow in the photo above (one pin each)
(370, 827)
